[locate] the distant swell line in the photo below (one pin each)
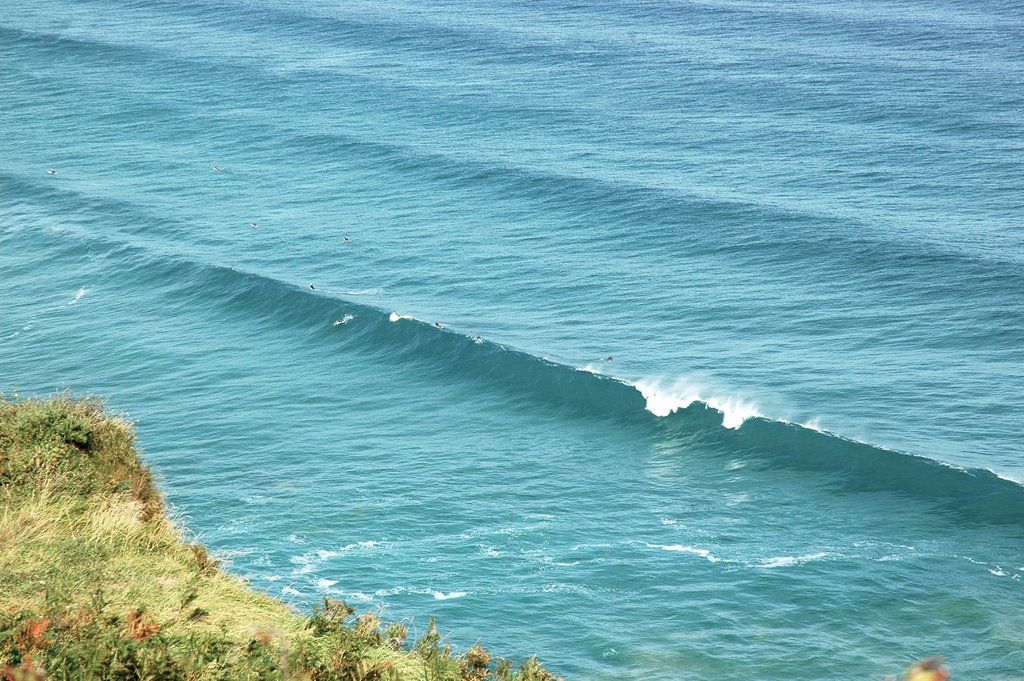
(621, 201)
(627, 201)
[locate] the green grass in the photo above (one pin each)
(97, 583)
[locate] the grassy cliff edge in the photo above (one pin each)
(97, 583)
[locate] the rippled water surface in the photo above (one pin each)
(665, 340)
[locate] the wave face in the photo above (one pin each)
(695, 330)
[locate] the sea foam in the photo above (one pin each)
(442, 596)
(663, 400)
(681, 548)
(786, 561)
(78, 296)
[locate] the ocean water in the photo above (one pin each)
(664, 340)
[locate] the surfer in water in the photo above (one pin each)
(218, 169)
(312, 288)
(51, 171)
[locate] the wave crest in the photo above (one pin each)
(663, 400)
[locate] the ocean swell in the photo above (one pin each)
(652, 407)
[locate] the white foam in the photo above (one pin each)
(358, 596)
(394, 316)
(681, 548)
(814, 424)
(590, 546)
(326, 554)
(947, 464)
(438, 595)
(441, 596)
(1004, 476)
(559, 588)
(998, 571)
(786, 561)
(780, 561)
(290, 591)
(322, 583)
(365, 292)
(548, 560)
(664, 400)
(78, 296)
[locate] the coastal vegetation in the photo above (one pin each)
(96, 582)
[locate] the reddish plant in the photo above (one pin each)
(32, 635)
(141, 626)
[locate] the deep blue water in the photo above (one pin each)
(665, 340)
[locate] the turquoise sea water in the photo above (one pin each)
(727, 375)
